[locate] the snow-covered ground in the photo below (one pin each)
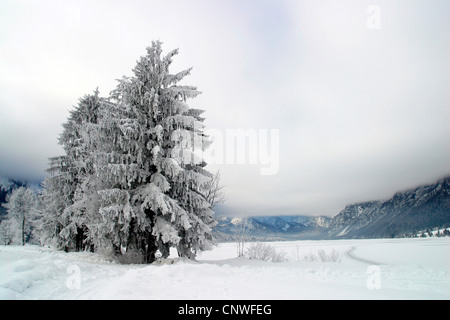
(360, 269)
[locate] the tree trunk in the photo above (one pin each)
(23, 232)
(150, 254)
(164, 248)
(184, 250)
(150, 245)
(80, 239)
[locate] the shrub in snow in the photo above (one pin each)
(322, 256)
(265, 252)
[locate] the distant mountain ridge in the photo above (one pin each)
(271, 227)
(407, 212)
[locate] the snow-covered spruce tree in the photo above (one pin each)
(154, 194)
(56, 196)
(69, 193)
(80, 142)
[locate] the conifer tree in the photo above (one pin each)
(131, 179)
(79, 140)
(156, 184)
(67, 194)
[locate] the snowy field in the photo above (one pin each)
(342, 269)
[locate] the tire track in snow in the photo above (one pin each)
(352, 256)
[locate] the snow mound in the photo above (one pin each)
(173, 261)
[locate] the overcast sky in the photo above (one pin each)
(359, 90)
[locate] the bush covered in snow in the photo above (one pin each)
(266, 252)
(322, 256)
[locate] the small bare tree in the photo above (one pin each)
(242, 236)
(215, 194)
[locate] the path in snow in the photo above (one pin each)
(350, 253)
